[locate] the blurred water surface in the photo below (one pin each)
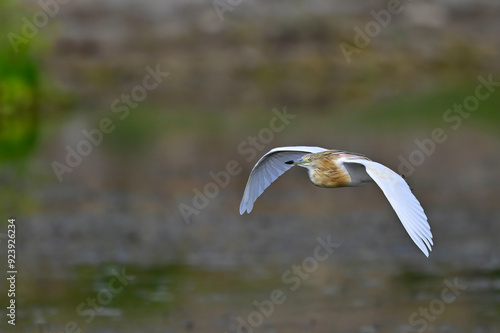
(179, 298)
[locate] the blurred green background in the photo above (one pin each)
(100, 147)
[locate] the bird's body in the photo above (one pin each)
(327, 169)
(338, 168)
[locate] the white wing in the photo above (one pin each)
(402, 200)
(268, 169)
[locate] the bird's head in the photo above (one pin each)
(305, 161)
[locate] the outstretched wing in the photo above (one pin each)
(407, 207)
(268, 169)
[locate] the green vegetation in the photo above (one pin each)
(19, 90)
(428, 108)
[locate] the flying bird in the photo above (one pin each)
(338, 168)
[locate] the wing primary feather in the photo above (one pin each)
(416, 229)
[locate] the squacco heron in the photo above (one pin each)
(337, 168)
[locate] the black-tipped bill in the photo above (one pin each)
(289, 162)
